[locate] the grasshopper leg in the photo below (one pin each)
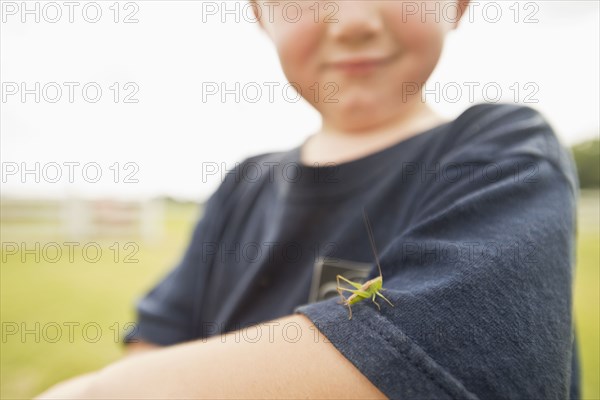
(356, 285)
(344, 300)
(358, 292)
(339, 289)
(383, 297)
(377, 304)
(348, 290)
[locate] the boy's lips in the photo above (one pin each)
(360, 65)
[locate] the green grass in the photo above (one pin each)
(104, 293)
(101, 293)
(587, 293)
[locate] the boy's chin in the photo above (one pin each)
(359, 114)
(361, 121)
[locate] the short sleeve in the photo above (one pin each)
(481, 286)
(166, 315)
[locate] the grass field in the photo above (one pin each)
(82, 305)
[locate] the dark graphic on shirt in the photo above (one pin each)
(324, 282)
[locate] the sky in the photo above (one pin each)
(142, 128)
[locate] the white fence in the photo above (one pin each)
(77, 218)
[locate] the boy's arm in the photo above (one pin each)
(283, 358)
(140, 347)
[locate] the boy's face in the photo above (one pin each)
(359, 63)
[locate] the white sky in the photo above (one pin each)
(170, 134)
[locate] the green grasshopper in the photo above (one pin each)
(369, 289)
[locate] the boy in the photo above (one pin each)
(474, 218)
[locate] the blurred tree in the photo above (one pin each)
(587, 158)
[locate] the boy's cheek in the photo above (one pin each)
(414, 27)
(298, 47)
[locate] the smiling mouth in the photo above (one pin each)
(361, 65)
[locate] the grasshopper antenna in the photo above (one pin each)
(371, 239)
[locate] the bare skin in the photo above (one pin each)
(327, 147)
(279, 364)
(140, 347)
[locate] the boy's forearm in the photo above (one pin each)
(70, 389)
(226, 367)
(74, 387)
(140, 347)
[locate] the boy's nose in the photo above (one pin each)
(355, 21)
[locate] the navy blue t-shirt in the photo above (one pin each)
(475, 225)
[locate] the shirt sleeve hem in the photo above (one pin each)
(395, 364)
(155, 333)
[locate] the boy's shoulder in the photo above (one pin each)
(493, 132)
(513, 128)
